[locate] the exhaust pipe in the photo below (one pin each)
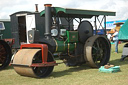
(48, 20)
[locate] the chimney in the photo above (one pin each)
(48, 20)
(36, 6)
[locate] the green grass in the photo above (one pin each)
(80, 75)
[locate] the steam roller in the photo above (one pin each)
(73, 47)
(5, 54)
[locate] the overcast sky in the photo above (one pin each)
(8, 7)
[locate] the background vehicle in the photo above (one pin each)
(5, 43)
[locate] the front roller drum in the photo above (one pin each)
(26, 57)
(97, 51)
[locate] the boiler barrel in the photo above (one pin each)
(63, 46)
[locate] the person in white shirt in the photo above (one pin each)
(108, 36)
(115, 39)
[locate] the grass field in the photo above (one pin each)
(81, 75)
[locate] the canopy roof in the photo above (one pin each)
(77, 13)
(123, 32)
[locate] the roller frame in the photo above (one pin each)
(44, 49)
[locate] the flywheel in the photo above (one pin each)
(25, 57)
(97, 51)
(85, 30)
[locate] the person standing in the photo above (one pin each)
(115, 39)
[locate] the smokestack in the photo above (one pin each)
(36, 6)
(48, 20)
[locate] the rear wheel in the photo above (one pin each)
(97, 51)
(5, 54)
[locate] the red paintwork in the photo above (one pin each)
(11, 41)
(43, 64)
(44, 49)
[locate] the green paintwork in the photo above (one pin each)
(60, 46)
(72, 36)
(64, 46)
(77, 13)
(123, 32)
(7, 31)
